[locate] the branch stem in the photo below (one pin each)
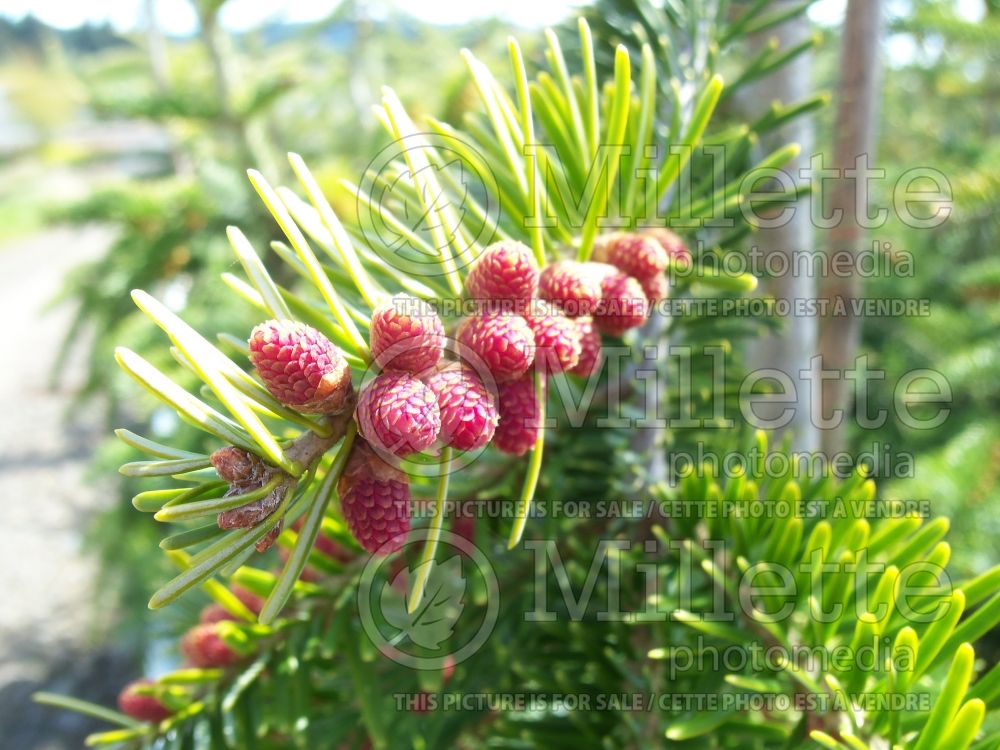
(423, 570)
(534, 467)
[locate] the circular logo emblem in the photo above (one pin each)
(415, 203)
(452, 621)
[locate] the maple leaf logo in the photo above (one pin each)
(433, 622)
(439, 215)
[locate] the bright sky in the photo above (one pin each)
(178, 17)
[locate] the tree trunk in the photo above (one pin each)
(156, 48)
(215, 43)
(360, 72)
(159, 68)
(791, 350)
(854, 137)
(254, 143)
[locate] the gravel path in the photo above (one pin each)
(48, 631)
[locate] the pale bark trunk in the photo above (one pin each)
(156, 48)
(790, 350)
(854, 135)
(251, 137)
(363, 68)
(212, 37)
(159, 67)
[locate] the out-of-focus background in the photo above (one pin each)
(125, 130)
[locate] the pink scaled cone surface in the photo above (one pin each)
(406, 334)
(623, 304)
(469, 413)
(398, 413)
(637, 255)
(672, 244)
(139, 706)
(557, 342)
(519, 417)
(204, 648)
(571, 285)
(375, 500)
(656, 288)
(505, 272)
(300, 367)
(590, 349)
(504, 343)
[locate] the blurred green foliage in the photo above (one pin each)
(940, 110)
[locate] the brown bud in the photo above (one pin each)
(253, 512)
(238, 466)
(266, 541)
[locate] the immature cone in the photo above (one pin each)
(637, 255)
(398, 413)
(464, 524)
(421, 702)
(572, 285)
(375, 500)
(142, 707)
(217, 613)
(468, 410)
(671, 243)
(623, 304)
(204, 648)
(656, 289)
(590, 349)
(301, 367)
(557, 342)
(324, 544)
(504, 343)
(505, 272)
(328, 545)
(406, 334)
(519, 417)
(213, 612)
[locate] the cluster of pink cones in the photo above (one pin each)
(524, 320)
